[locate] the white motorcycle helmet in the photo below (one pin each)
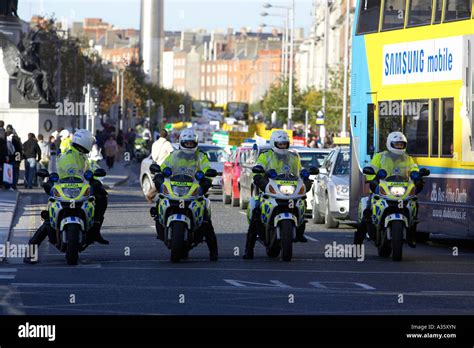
(83, 141)
(64, 134)
(397, 143)
(280, 142)
(188, 141)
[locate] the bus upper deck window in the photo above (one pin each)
(457, 9)
(369, 16)
(420, 12)
(394, 14)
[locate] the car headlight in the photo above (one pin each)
(180, 190)
(342, 190)
(72, 192)
(287, 190)
(398, 191)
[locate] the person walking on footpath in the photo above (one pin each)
(111, 150)
(32, 153)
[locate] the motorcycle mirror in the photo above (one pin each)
(100, 173)
(258, 170)
(313, 171)
(425, 172)
(200, 175)
(155, 168)
(88, 175)
(54, 177)
(43, 173)
(167, 172)
(369, 171)
(382, 174)
(272, 173)
(211, 173)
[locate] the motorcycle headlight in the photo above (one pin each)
(287, 190)
(71, 192)
(180, 190)
(342, 190)
(398, 191)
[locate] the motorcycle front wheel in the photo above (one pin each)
(397, 228)
(286, 232)
(178, 229)
(72, 249)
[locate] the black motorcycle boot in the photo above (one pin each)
(250, 245)
(40, 235)
(211, 239)
(94, 233)
(300, 237)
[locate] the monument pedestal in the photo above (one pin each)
(25, 117)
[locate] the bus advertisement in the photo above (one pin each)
(412, 71)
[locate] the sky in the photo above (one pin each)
(179, 14)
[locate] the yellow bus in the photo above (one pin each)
(412, 71)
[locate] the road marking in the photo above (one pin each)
(320, 285)
(311, 239)
(6, 276)
(241, 212)
(242, 284)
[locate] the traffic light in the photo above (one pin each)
(134, 111)
(120, 112)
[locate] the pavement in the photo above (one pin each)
(133, 275)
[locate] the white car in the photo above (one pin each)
(217, 157)
(311, 157)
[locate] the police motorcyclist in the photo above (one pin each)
(189, 160)
(280, 159)
(74, 162)
(395, 161)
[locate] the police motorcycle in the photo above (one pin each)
(282, 206)
(70, 211)
(392, 211)
(181, 210)
(140, 149)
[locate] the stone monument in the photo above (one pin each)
(26, 96)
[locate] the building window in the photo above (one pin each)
(438, 11)
(394, 14)
(390, 120)
(457, 9)
(369, 16)
(447, 124)
(434, 128)
(420, 12)
(416, 126)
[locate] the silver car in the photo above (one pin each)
(311, 157)
(217, 156)
(331, 189)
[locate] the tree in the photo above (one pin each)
(276, 99)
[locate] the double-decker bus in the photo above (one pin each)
(412, 70)
(239, 111)
(198, 106)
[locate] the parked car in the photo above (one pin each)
(331, 189)
(217, 157)
(246, 187)
(231, 175)
(311, 157)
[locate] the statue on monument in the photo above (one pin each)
(9, 8)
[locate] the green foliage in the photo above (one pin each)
(276, 99)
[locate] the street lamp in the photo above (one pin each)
(291, 20)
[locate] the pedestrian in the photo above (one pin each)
(32, 153)
(3, 149)
(45, 152)
(131, 137)
(120, 143)
(111, 150)
(161, 148)
(15, 155)
(53, 155)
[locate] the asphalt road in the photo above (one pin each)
(133, 274)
